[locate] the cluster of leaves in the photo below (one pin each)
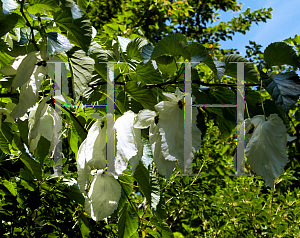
(36, 204)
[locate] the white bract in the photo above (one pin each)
(43, 121)
(29, 92)
(166, 133)
(171, 129)
(92, 151)
(29, 72)
(25, 69)
(144, 119)
(103, 197)
(266, 146)
(104, 192)
(129, 143)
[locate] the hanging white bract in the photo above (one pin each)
(266, 146)
(167, 133)
(29, 71)
(171, 129)
(43, 121)
(103, 196)
(92, 151)
(147, 118)
(129, 143)
(104, 193)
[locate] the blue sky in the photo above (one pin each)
(285, 23)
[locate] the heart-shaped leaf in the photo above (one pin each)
(174, 45)
(57, 43)
(280, 53)
(82, 68)
(284, 87)
(231, 68)
(266, 149)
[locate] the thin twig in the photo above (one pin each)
(28, 24)
(132, 204)
(272, 199)
(261, 99)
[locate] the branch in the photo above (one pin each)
(15, 95)
(201, 83)
(28, 24)
(172, 83)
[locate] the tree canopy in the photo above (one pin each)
(56, 180)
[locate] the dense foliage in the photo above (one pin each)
(190, 18)
(145, 200)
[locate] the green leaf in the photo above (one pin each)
(38, 5)
(84, 226)
(128, 222)
(23, 127)
(204, 98)
(147, 52)
(134, 48)
(12, 187)
(7, 131)
(141, 94)
(198, 52)
(126, 182)
(80, 131)
(5, 59)
(57, 43)
(82, 67)
(166, 65)
(124, 103)
(174, 45)
(42, 150)
(148, 184)
(231, 68)
(8, 23)
(146, 74)
(26, 174)
(201, 123)
(160, 209)
(83, 4)
(30, 163)
(75, 194)
(101, 57)
(27, 185)
(284, 88)
(4, 145)
(73, 140)
(79, 30)
(280, 53)
(226, 122)
(162, 227)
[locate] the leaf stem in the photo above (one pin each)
(28, 24)
(247, 109)
(129, 200)
(272, 199)
(261, 100)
